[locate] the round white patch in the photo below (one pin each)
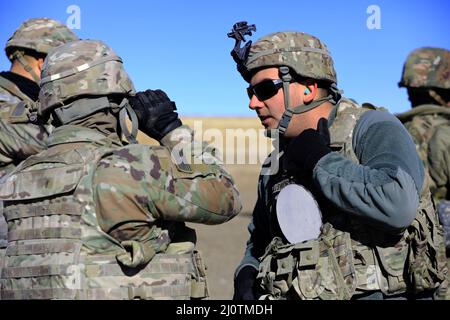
(298, 214)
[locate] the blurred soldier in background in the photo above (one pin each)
(89, 218)
(26, 49)
(426, 75)
(20, 134)
(380, 238)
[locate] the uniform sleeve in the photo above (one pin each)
(18, 141)
(384, 188)
(439, 157)
(259, 234)
(139, 185)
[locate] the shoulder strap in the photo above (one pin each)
(341, 131)
(13, 89)
(423, 110)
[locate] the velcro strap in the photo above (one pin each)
(126, 293)
(143, 292)
(37, 271)
(44, 233)
(40, 248)
(28, 211)
(114, 269)
(41, 294)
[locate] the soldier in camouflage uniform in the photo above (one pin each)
(20, 134)
(380, 237)
(426, 75)
(90, 218)
(26, 49)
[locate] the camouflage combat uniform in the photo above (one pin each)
(376, 209)
(89, 218)
(20, 135)
(429, 124)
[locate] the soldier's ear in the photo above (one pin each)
(40, 63)
(310, 92)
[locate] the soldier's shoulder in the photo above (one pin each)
(139, 152)
(15, 112)
(7, 97)
(135, 156)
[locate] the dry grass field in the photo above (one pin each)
(223, 245)
(246, 163)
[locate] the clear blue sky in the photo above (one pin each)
(182, 47)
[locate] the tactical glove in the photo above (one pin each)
(244, 284)
(309, 147)
(155, 112)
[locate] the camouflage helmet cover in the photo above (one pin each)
(305, 54)
(427, 67)
(40, 35)
(79, 68)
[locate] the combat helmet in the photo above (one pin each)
(299, 52)
(427, 68)
(39, 35)
(80, 69)
(304, 53)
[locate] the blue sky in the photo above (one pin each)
(182, 47)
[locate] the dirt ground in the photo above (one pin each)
(222, 248)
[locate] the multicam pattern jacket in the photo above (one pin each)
(108, 209)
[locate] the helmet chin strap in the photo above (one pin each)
(437, 97)
(125, 108)
(19, 57)
(289, 112)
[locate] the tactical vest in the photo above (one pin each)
(9, 94)
(56, 248)
(350, 257)
(422, 123)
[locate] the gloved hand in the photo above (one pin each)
(310, 146)
(135, 254)
(244, 284)
(155, 112)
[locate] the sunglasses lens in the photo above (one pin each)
(250, 92)
(264, 90)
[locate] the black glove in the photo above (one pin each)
(244, 284)
(155, 112)
(310, 146)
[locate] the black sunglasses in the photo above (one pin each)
(264, 90)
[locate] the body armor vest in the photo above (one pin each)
(9, 94)
(56, 249)
(350, 257)
(422, 123)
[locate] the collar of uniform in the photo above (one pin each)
(333, 114)
(70, 134)
(25, 85)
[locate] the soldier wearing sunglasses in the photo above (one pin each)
(379, 237)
